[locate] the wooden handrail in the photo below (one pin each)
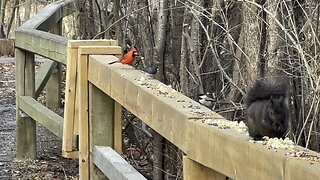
(208, 149)
(179, 119)
(31, 36)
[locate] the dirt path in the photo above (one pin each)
(49, 164)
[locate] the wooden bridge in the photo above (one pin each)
(95, 92)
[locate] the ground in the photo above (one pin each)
(49, 164)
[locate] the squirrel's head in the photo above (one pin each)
(277, 113)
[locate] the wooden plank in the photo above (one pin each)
(84, 44)
(42, 114)
(71, 108)
(101, 114)
(99, 76)
(71, 154)
(53, 93)
(113, 165)
(49, 15)
(70, 96)
(297, 168)
(83, 51)
(96, 42)
(31, 36)
(26, 127)
(76, 115)
(232, 154)
(101, 50)
(53, 88)
(84, 161)
(193, 170)
(45, 44)
(162, 108)
(118, 128)
(42, 76)
(114, 43)
(44, 19)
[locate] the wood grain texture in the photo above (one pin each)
(84, 161)
(53, 87)
(118, 128)
(42, 76)
(113, 165)
(194, 170)
(42, 114)
(101, 123)
(96, 42)
(70, 100)
(45, 44)
(25, 85)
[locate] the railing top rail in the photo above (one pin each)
(31, 35)
(49, 15)
(181, 121)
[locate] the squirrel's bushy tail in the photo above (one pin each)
(264, 89)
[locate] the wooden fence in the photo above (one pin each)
(95, 92)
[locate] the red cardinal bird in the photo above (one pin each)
(129, 57)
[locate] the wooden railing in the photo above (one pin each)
(95, 92)
(30, 40)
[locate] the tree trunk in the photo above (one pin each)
(250, 63)
(145, 33)
(160, 38)
(12, 16)
(100, 13)
(116, 12)
(86, 21)
(2, 15)
(27, 11)
(176, 33)
(274, 50)
(192, 84)
(159, 59)
(195, 45)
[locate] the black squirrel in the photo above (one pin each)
(267, 109)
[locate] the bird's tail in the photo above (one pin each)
(113, 62)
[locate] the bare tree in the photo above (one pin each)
(2, 15)
(85, 8)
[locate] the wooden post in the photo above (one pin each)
(84, 161)
(118, 128)
(82, 94)
(101, 113)
(53, 93)
(194, 170)
(25, 85)
(71, 111)
(113, 165)
(70, 105)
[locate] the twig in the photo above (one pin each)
(215, 54)
(120, 20)
(65, 174)
(309, 113)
